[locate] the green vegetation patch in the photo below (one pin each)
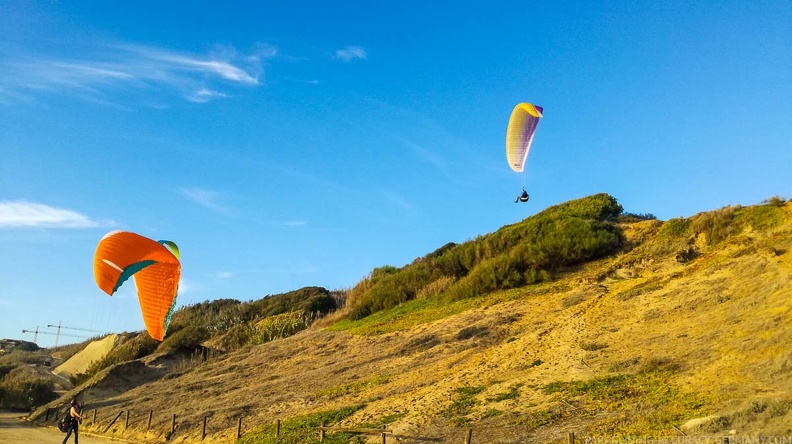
(512, 393)
(406, 315)
(22, 388)
(354, 387)
(186, 337)
(5, 369)
(388, 419)
(425, 310)
(760, 218)
(757, 412)
(540, 418)
(491, 413)
(221, 315)
(304, 429)
(247, 323)
(675, 228)
(462, 406)
(649, 401)
(269, 329)
(720, 224)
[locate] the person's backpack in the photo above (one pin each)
(65, 422)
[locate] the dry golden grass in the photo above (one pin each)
(637, 343)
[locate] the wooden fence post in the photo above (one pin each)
(469, 437)
(94, 417)
(203, 431)
(126, 424)
(571, 438)
(277, 427)
(322, 432)
(239, 428)
(384, 427)
(113, 421)
(148, 426)
(47, 417)
(173, 424)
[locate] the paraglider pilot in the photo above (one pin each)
(522, 197)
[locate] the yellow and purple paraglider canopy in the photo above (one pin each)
(519, 134)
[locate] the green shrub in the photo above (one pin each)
(598, 206)
(516, 255)
(686, 255)
(635, 217)
(187, 338)
(675, 228)
(775, 201)
(282, 326)
(391, 289)
(435, 287)
(715, 225)
(779, 408)
(22, 390)
(221, 315)
(307, 300)
(237, 337)
(5, 369)
(720, 224)
(266, 330)
(760, 218)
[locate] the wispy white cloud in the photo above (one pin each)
(22, 213)
(185, 286)
(179, 62)
(222, 275)
(398, 200)
(351, 53)
(204, 95)
(205, 198)
(427, 155)
(112, 70)
(295, 223)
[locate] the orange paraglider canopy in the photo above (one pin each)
(155, 268)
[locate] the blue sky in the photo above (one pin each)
(306, 143)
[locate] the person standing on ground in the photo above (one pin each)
(75, 412)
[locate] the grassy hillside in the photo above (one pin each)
(516, 255)
(577, 319)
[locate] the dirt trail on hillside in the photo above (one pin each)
(15, 431)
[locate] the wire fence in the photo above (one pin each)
(119, 422)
